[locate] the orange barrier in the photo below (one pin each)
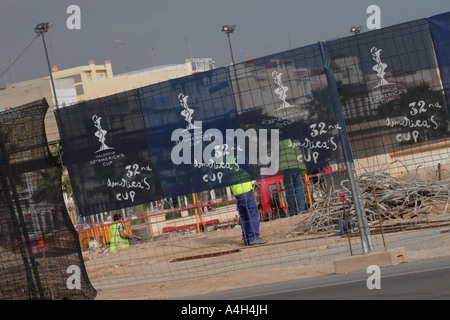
(99, 233)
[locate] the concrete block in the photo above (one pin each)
(386, 258)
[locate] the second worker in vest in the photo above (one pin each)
(119, 237)
(292, 166)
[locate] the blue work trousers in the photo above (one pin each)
(249, 216)
(293, 184)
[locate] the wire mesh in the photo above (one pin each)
(39, 245)
(393, 101)
(400, 153)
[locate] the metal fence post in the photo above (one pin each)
(366, 240)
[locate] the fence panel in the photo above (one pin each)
(282, 97)
(40, 256)
(396, 117)
(394, 104)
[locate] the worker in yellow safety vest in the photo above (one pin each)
(248, 213)
(119, 238)
(292, 166)
(242, 188)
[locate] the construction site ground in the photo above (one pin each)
(429, 242)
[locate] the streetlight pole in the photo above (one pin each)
(231, 50)
(40, 29)
(228, 30)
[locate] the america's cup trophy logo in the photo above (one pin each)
(100, 133)
(379, 67)
(187, 112)
(281, 91)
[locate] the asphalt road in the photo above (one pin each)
(417, 280)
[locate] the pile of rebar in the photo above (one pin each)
(395, 198)
(385, 198)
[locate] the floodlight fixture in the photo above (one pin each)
(42, 27)
(356, 30)
(228, 29)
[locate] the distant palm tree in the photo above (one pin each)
(49, 186)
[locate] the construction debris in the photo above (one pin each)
(395, 199)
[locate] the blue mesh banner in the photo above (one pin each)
(107, 154)
(287, 95)
(390, 90)
(440, 31)
(194, 132)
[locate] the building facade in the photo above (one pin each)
(90, 82)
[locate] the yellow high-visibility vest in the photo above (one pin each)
(241, 188)
(116, 239)
(290, 157)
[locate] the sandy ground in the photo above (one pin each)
(208, 284)
(418, 247)
(239, 279)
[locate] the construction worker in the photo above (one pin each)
(248, 213)
(119, 238)
(242, 188)
(292, 166)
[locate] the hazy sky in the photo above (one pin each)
(263, 27)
